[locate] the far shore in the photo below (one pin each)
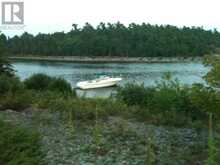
(107, 59)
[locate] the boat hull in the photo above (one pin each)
(101, 84)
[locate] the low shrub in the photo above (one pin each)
(89, 108)
(167, 95)
(19, 146)
(171, 96)
(17, 101)
(81, 108)
(10, 84)
(134, 94)
(51, 100)
(42, 82)
(61, 85)
(167, 103)
(115, 107)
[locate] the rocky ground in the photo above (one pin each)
(111, 141)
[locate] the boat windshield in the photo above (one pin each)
(99, 79)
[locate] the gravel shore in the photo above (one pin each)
(121, 141)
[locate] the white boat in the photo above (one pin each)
(98, 83)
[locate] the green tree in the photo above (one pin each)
(213, 76)
(5, 66)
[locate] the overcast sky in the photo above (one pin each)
(48, 16)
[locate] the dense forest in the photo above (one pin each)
(143, 40)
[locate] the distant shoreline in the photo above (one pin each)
(106, 59)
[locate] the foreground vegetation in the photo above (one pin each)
(143, 40)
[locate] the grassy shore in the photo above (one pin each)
(107, 59)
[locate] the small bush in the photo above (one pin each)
(60, 85)
(170, 95)
(38, 82)
(133, 94)
(10, 84)
(172, 98)
(42, 82)
(19, 146)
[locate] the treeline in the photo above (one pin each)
(143, 40)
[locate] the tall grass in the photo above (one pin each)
(151, 157)
(97, 135)
(211, 147)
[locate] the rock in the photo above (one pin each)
(10, 111)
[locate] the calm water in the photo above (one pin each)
(187, 73)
